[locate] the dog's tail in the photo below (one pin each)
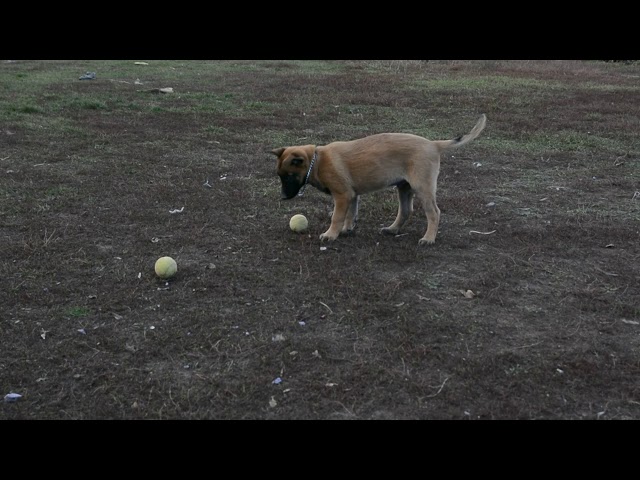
(458, 142)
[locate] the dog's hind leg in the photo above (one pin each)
(405, 207)
(433, 215)
(352, 216)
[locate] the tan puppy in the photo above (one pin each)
(347, 170)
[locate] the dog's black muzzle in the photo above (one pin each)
(291, 185)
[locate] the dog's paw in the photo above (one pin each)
(327, 237)
(423, 241)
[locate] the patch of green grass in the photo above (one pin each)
(596, 116)
(25, 109)
(432, 282)
(132, 106)
(283, 139)
(78, 312)
(258, 106)
(588, 212)
(61, 125)
(54, 194)
(540, 143)
(88, 104)
(605, 87)
(58, 191)
(393, 66)
(573, 141)
(490, 83)
(215, 129)
(324, 67)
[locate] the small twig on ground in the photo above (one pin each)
(405, 370)
(482, 233)
(47, 238)
(527, 346)
(327, 307)
(3, 159)
(350, 412)
(607, 273)
(630, 322)
(571, 334)
(635, 195)
(440, 389)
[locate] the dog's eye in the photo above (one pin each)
(296, 161)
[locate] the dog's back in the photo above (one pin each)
(399, 147)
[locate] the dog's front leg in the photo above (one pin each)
(340, 208)
(352, 216)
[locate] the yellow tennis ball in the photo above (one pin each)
(298, 223)
(166, 267)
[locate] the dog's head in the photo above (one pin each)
(292, 167)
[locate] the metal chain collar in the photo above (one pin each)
(306, 180)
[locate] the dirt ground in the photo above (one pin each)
(526, 307)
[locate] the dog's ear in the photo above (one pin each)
(278, 151)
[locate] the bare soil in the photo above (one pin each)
(540, 221)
